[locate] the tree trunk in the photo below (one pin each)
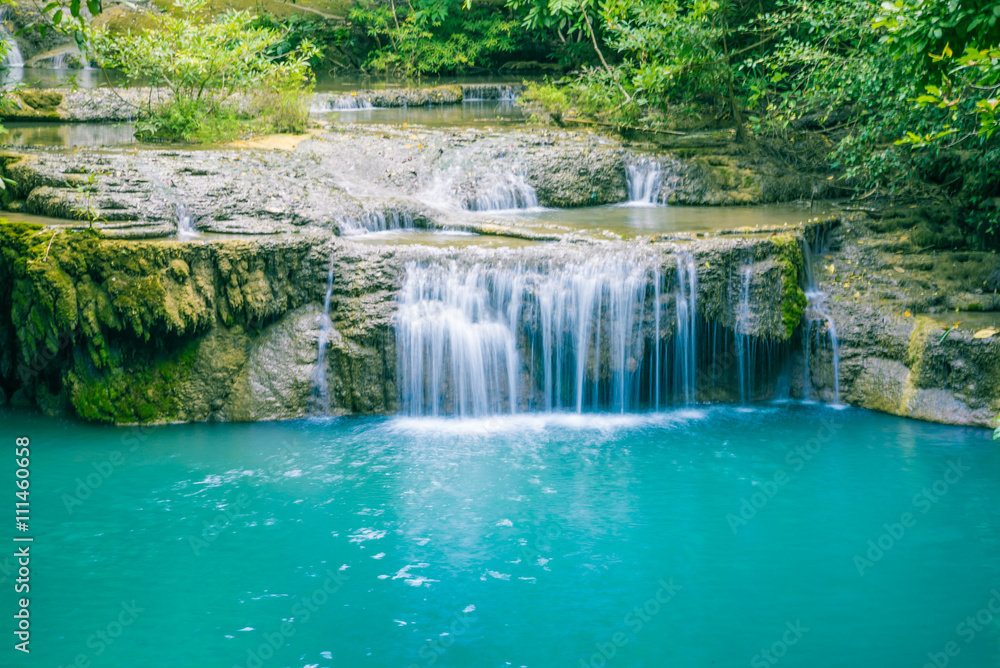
(741, 130)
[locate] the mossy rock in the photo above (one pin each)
(41, 100)
(793, 299)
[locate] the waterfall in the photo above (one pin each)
(320, 390)
(611, 330)
(491, 92)
(510, 191)
(185, 223)
(686, 299)
(494, 338)
(12, 52)
(353, 102)
(645, 180)
(817, 323)
(376, 221)
(744, 342)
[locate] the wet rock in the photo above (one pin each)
(895, 356)
(277, 381)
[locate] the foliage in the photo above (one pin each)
(66, 16)
(299, 29)
(208, 65)
(906, 92)
(434, 36)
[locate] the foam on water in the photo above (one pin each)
(539, 422)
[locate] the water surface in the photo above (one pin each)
(541, 540)
(465, 114)
(67, 135)
(631, 220)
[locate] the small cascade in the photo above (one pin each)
(744, 342)
(320, 390)
(644, 176)
(686, 299)
(352, 102)
(185, 223)
(12, 52)
(491, 92)
(818, 327)
(376, 221)
(509, 191)
(651, 181)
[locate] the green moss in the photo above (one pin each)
(118, 324)
(41, 100)
(923, 326)
(142, 390)
(793, 299)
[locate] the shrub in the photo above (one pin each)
(222, 74)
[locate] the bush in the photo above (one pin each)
(224, 75)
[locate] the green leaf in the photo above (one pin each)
(94, 6)
(57, 17)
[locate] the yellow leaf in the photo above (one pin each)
(946, 52)
(984, 333)
(907, 314)
(831, 269)
(900, 270)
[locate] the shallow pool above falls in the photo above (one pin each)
(791, 534)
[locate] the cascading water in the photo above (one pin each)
(644, 177)
(686, 299)
(320, 390)
(185, 223)
(463, 183)
(818, 326)
(12, 56)
(744, 342)
(352, 102)
(376, 221)
(508, 191)
(477, 339)
(491, 92)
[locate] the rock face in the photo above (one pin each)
(335, 181)
(906, 316)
